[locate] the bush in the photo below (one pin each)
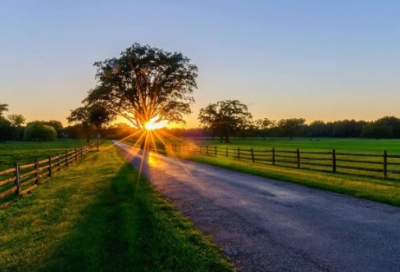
(37, 131)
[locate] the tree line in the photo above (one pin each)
(232, 118)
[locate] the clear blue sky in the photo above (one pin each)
(317, 59)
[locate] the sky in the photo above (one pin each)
(318, 60)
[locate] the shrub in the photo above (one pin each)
(37, 131)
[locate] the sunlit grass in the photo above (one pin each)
(85, 219)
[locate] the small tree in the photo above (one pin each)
(57, 125)
(37, 131)
(17, 120)
(225, 117)
(292, 126)
(90, 118)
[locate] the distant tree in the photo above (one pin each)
(347, 128)
(263, 125)
(37, 131)
(57, 125)
(145, 83)
(292, 126)
(91, 118)
(225, 117)
(316, 129)
(100, 116)
(391, 121)
(377, 130)
(3, 108)
(7, 131)
(81, 116)
(17, 120)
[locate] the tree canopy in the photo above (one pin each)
(144, 83)
(225, 117)
(37, 131)
(292, 126)
(90, 117)
(3, 108)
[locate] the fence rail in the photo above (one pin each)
(328, 160)
(22, 174)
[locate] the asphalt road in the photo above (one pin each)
(271, 225)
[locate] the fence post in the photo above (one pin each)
(273, 155)
(216, 151)
(207, 150)
(384, 163)
(59, 162)
(298, 158)
(37, 171)
(50, 170)
(16, 175)
(76, 155)
(81, 151)
(66, 158)
(252, 154)
(227, 152)
(333, 160)
(239, 153)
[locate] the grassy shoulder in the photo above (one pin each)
(376, 189)
(99, 216)
(26, 152)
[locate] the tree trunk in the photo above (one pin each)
(221, 139)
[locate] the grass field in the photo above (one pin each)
(350, 182)
(26, 152)
(324, 144)
(97, 216)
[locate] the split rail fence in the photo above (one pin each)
(20, 176)
(322, 160)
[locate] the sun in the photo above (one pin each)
(151, 125)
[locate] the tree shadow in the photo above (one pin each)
(97, 242)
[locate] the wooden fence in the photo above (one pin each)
(36, 173)
(324, 160)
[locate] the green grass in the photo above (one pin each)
(325, 144)
(98, 216)
(26, 152)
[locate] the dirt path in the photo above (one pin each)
(272, 225)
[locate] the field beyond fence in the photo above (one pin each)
(16, 180)
(387, 165)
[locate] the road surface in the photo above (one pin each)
(271, 225)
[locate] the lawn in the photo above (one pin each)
(99, 216)
(26, 152)
(368, 185)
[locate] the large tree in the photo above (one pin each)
(292, 126)
(17, 120)
(144, 83)
(225, 117)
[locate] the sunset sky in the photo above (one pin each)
(324, 60)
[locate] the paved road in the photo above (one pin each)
(272, 225)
